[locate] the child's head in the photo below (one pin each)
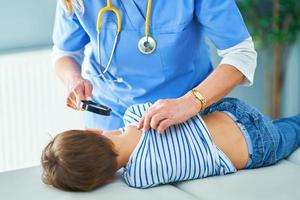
(78, 161)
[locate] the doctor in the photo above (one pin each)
(177, 68)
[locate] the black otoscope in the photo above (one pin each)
(95, 108)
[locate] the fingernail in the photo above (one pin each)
(89, 98)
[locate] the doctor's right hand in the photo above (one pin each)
(78, 89)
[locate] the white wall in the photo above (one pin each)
(26, 23)
(32, 105)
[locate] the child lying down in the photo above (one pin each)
(228, 136)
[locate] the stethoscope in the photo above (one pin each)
(146, 44)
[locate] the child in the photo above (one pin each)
(228, 136)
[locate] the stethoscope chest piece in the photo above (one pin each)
(147, 45)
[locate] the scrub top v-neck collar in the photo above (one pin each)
(137, 19)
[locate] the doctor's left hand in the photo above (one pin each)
(167, 112)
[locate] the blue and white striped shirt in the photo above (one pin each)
(184, 152)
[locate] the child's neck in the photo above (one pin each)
(125, 143)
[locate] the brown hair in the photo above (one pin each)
(78, 161)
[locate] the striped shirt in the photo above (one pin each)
(183, 152)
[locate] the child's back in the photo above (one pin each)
(184, 152)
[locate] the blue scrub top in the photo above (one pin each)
(180, 62)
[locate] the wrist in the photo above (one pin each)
(192, 102)
(71, 79)
(200, 97)
(68, 70)
(197, 99)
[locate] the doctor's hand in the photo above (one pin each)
(78, 89)
(167, 112)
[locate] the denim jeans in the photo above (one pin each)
(268, 140)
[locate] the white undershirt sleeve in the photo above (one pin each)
(58, 53)
(243, 57)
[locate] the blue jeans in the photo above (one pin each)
(268, 140)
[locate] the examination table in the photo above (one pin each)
(280, 182)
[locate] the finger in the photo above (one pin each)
(146, 124)
(88, 88)
(71, 97)
(71, 105)
(155, 120)
(147, 121)
(141, 123)
(71, 101)
(148, 117)
(163, 125)
(79, 94)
